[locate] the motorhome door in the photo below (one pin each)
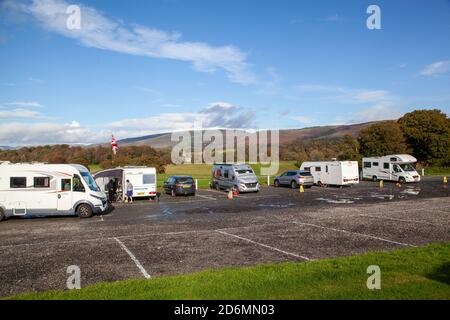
(64, 195)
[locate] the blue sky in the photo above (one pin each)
(142, 67)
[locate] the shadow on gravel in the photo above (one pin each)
(441, 274)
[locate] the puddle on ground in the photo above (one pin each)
(287, 205)
(336, 201)
(411, 191)
(383, 196)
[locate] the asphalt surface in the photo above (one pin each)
(187, 234)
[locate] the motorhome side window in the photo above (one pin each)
(367, 165)
(225, 174)
(375, 164)
(148, 179)
(66, 184)
(386, 165)
(393, 159)
(77, 184)
(41, 182)
(18, 182)
(317, 169)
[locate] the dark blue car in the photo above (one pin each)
(179, 185)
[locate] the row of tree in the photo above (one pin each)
(422, 133)
(132, 155)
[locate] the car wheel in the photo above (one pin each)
(2, 215)
(294, 184)
(84, 211)
(374, 179)
(320, 184)
(276, 183)
(173, 194)
(217, 187)
(402, 180)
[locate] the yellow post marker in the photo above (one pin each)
(399, 184)
(301, 188)
(381, 184)
(445, 180)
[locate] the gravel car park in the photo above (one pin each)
(178, 235)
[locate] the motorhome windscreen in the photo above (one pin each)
(244, 171)
(90, 181)
(407, 167)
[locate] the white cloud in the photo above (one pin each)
(19, 113)
(48, 133)
(380, 111)
(303, 119)
(214, 115)
(98, 31)
(25, 104)
(437, 68)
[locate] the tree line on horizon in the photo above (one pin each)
(422, 133)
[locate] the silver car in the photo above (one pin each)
(294, 179)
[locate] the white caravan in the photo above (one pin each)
(39, 189)
(143, 180)
(339, 173)
(397, 167)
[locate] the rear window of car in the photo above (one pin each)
(185, 180)
(305, 173)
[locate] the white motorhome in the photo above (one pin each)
(338, 173)
(39, 189)
(143, 180)
(396, 167)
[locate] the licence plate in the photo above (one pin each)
(187, 186)
(141, 193)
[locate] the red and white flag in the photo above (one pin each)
(114, 145)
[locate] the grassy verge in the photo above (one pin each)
(418, 273)
(437, 171)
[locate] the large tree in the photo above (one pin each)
(428, 134)
(382, 139)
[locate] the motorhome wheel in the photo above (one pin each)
(2, 215)
(84, 211)
(402, 180)
(374, 178)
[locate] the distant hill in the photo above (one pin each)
(6, 148)
(163, 140)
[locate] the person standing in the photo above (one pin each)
(129, 189)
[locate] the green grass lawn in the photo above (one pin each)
(418, 273)
(437, 171)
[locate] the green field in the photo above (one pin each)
(202, 172)
(437, 171)
(418, 273)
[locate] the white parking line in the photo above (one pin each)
(206, 197)
(136, 261)
(356, 233)
(264, 245)
(396, 219)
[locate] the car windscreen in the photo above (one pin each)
(90, 181)
(185, 180)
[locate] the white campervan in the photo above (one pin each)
(143, 180)
(397, 167)
(39, 189)
(338, 173)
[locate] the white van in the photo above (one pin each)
(143, 180)
(241, 177)
(397, 167)
(338, 173)
(39, 189)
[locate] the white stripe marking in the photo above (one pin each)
(356, 233)
(395, 219)
(263, 245)
(206, 197)
(136, 261)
